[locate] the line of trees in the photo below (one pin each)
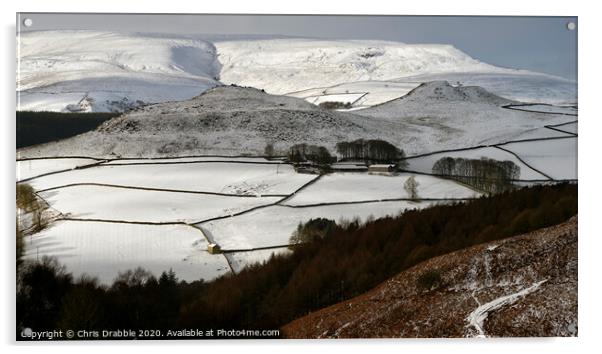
(370, 151)
(50, 298)
(335, 105)
(487, 175)
(313, 230)
(310, 153)
(341, 261)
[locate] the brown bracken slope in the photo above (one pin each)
(517, 287)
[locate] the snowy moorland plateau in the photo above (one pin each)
(108, 71)
(82, 71)
(288, 65)
(231, 121)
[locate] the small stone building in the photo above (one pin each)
(387, 169)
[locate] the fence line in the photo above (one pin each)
(163, 190)
(561, 124)
(513, 107)
(559, 130)
(384, 200)
(524, 162)
(151, 158)
(255, 249)
(194, 162)
(62, 171)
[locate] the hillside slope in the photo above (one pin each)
(517, 287)
(110, 71)
(445, 116)
(229, 120)
(225, 120)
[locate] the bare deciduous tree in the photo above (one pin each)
(411, 186)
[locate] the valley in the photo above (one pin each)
(219, 151)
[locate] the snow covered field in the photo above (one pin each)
(425, 163)
(239, 260)
(191, 159)
(556, 158)
(230, 178)
(104, 249)
(349, 187)
(265, 227)
(274, 225)
(110, 203)
(31, 168)
(363, 93)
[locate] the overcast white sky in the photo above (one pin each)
(542, 44)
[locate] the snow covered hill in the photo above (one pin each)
(520, 85)
(107, 71)
(376, 71)
(224, 120)
(287, 65)
(437, 115)
(110, 71)
(230, 121)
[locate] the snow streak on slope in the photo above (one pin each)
(107, 71)
(479, 315)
